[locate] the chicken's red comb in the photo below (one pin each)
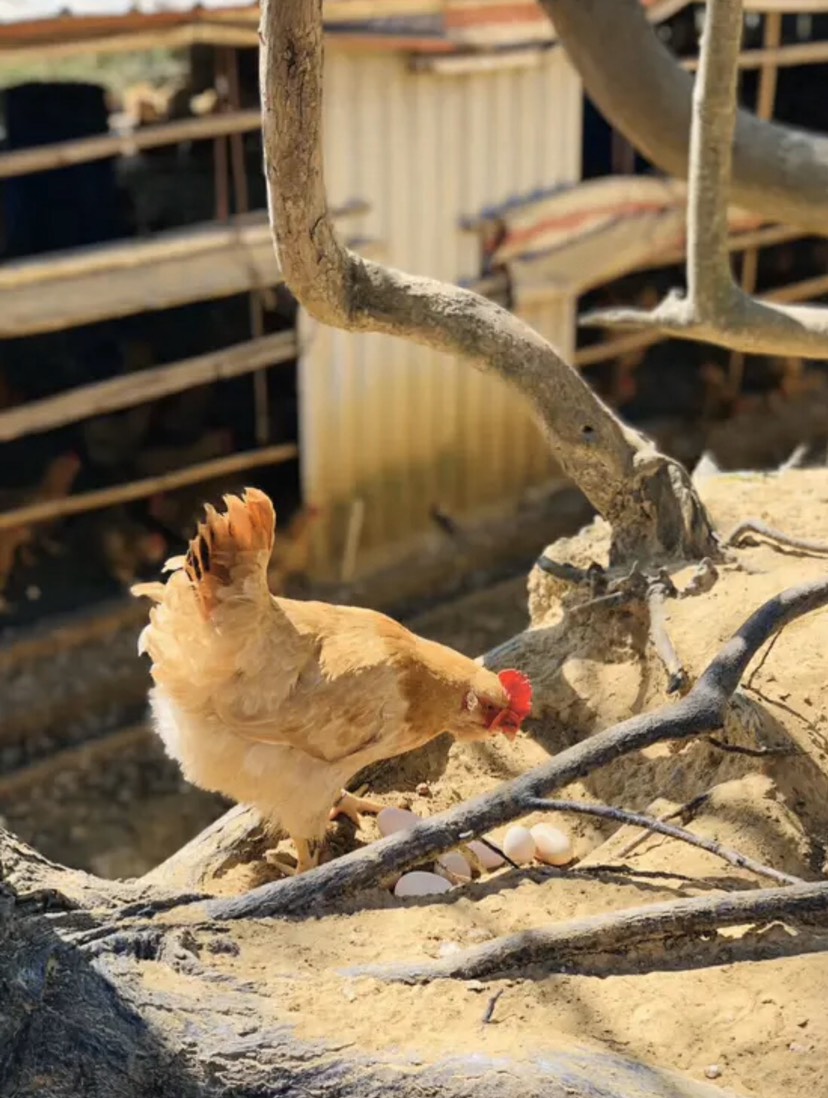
(519, 689)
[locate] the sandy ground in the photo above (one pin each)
(759, 1027)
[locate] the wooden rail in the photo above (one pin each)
(53, 292)
(35, 513)
(64, 154)
(113, 394)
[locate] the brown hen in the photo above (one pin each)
(278, 703)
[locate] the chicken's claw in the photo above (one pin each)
(277, 860)
(351, 806)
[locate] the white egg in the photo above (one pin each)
(419, 883)
(455, 864)
(519, 845)
(396, 819)
(489, 858)
(553, 846)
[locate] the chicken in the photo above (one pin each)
(157, 460)
(126, 546)
(56, 483)
(278, 703)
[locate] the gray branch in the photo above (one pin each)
(645, 936)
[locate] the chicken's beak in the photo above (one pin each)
(508, 724)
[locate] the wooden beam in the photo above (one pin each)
(797, 53)
(35, 513)
(22, 51)
(53, 292)
(83, 150)
(113, 394)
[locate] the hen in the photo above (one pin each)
(17, 541)
(278, 703)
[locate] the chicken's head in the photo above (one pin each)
(494, 703)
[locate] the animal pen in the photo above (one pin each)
(159, 345)
(440, 159)
(427, 127)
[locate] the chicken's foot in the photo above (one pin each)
(307, 857)
(278, 861)
(351, 806)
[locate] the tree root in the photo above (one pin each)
(701, 711)
(636, 819)
(587, 946)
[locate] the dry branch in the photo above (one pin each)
(591, 946)
(639, 340)
(701, 710)
(715, 309)
(637, 819)
(638, 85)
(647, 499)
(746, 533)
(676, 673)
(84, 1011)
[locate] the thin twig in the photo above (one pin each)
(592, 946)
(768, 649)
(677, 677)
(741, 535)
(490, 1007)
(684, 812)
(752, 752)
(636, 819)
(704, 578)
(700, 712)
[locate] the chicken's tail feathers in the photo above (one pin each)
(231, 547)
(154, 591)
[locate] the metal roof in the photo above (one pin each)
(30, 11)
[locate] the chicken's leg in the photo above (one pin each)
(350, 805)
(307, 857)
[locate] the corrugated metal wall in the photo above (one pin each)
(383, 420)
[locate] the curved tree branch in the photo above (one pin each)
(648, 500)
(639, 87)
(700, 711)
(587, 946)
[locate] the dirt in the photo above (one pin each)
(758, 1027)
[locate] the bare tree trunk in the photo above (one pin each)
(647, 498)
